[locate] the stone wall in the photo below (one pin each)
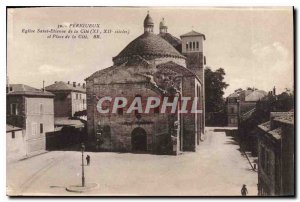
(15, 145)
(266, 177)
(192, 124)
(122, 125)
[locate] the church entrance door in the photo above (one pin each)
(139, 140)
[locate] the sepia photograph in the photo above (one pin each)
(150, 101)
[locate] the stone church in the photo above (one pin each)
(152, 65)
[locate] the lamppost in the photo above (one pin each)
(82, 164)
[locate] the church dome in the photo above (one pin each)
(148, 45)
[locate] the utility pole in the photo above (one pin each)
(82, 164)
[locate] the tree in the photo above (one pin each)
(214, 89)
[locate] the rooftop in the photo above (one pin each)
(235, 94)
(276, 133)
(174, 41)
(249, 95)
(285, 117)
(10, 128)
(192, 33)
(148, 20)
(22, 89)
(177, 68)
(149, 44)
(65, 121)
(62, 86)
(254, 95)
(266, 126)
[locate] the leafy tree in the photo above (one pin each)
(215, 114)
(214, 89)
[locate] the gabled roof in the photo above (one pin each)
(192, 33)
(22, 89)
(62, 86)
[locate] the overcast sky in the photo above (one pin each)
(254, 46)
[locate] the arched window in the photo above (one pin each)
(197, 45)
(190, 45)
(193, 45)
(187, 46)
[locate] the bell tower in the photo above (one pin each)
(192, 49)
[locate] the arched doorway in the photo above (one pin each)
(139, 140)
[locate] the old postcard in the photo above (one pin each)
(150, 101)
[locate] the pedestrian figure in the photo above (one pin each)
(88, 158)
(244, 190)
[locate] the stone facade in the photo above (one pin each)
(148, 67)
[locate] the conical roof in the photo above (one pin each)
(148, 21)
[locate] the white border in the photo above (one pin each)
(5, 3)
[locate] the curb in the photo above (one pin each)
(80, 189)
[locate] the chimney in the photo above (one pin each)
(83, 85)
(274, 91)
(74, 84)
(68, 82)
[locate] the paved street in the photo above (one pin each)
(217, 168)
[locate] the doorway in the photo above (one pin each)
(139, 140)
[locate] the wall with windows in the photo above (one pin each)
(39, 121)
(78, 102)
(192, 44)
